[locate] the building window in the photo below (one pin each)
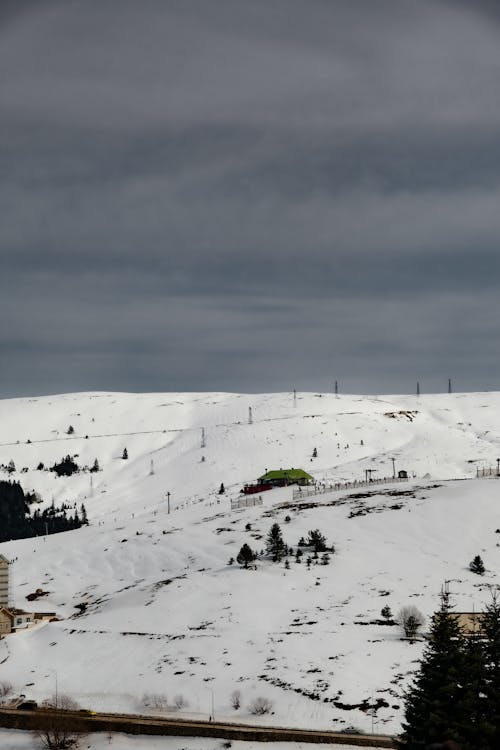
(19, 621)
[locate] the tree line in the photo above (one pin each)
(17, 522)
(277, 549)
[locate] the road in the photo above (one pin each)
(138, 724)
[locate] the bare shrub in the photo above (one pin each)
(59, 732)
(180, 701)
(5, 688)
(261, 706)
(154, 700)
(62, 702)
(410, 619)
(236, 699)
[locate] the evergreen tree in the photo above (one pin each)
(125, 454)
(491, 630)
(95, 466)
(245, 556)
(476, 565)
(316, 540)
(472, 720)
(432, 703)
(386, 612)
(315, 453)
(66, 467)
(222, 489)
(275, 545)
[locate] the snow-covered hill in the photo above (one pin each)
(162, 612)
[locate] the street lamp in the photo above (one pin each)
(56, 695)
(168, 502)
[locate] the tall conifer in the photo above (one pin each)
(275, 545)
(433, 700)
(491, 629)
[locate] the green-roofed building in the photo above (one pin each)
(283, 477)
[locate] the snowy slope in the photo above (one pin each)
(166, 614)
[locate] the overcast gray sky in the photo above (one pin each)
(249, 195)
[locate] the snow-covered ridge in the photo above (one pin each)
(166, 614)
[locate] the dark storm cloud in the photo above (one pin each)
(248, 195)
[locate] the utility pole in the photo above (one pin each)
(336, 388)
(393, 468)
(203, 441)
(449, 385)
(168, 502)
(151, 468)
(250, 418)
(56, 696)
(91, 486)
(294, 397)
(418, 388)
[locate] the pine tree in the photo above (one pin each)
(245, 556)
(275, 545)
(95, 466)
(432, 703)
(476, 565)
(125, 454)
(491, 630)
(472, 719)
(316, 540)
(386, 612)
(222, 489)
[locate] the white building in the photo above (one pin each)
(4, 581)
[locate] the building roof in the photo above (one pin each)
(469, 622)
(292, 474)
(41, 615)
(3, 559)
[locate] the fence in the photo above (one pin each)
(487, 471)
(246, 502)
(321, 489)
